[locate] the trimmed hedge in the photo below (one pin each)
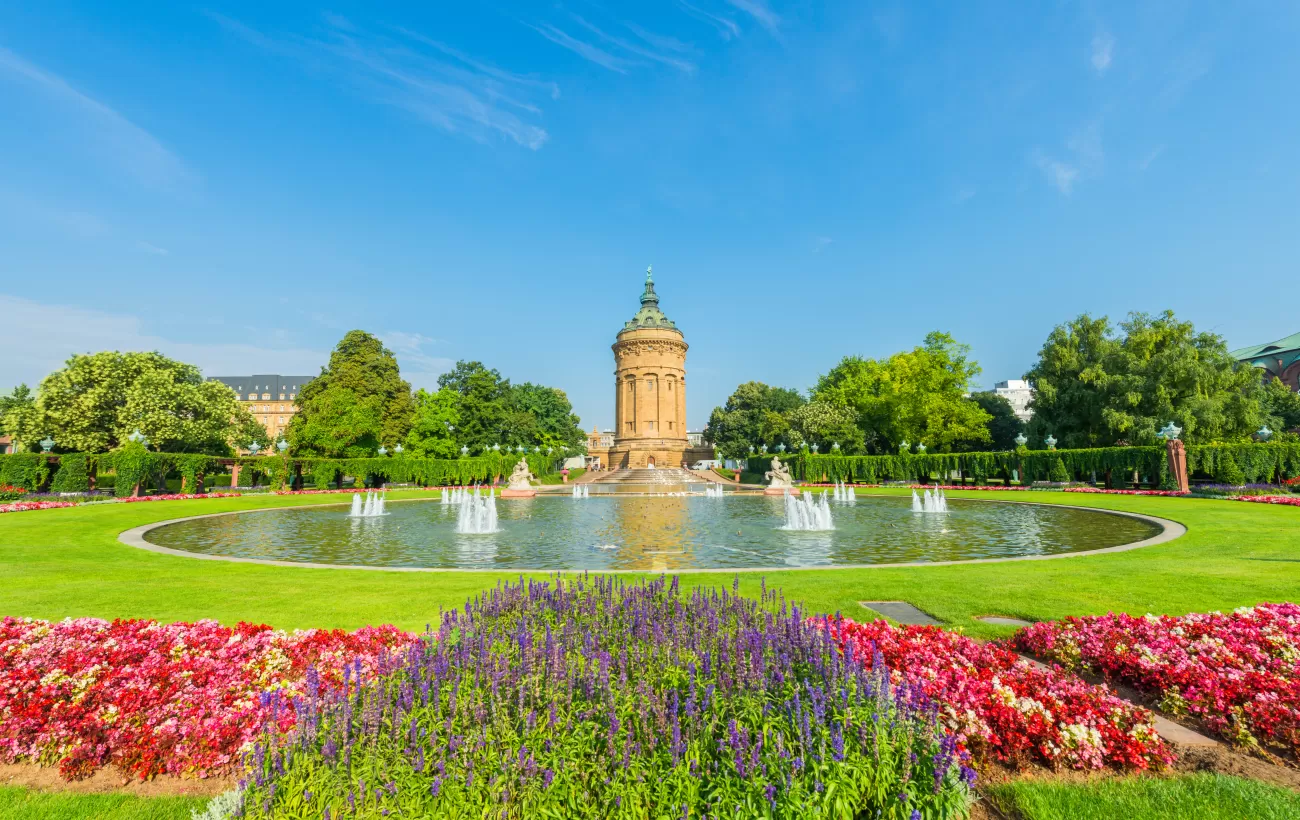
(1256, 462)
(72, 475)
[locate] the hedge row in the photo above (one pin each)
(133, 464)
(1227, 463)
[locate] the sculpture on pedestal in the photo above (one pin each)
(779, 479)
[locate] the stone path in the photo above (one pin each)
(902, 612)
(1000, 620)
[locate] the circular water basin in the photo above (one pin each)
(654, 533)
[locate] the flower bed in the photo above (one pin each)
(23, 506)
(989, 487)
(132, 499)
(152, 698)
(1169, 493)
(9, 492)
(1238, 674)
(600, 698)
(1286, 500)
(1004, 707)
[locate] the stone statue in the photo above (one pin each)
(778, 476)
(521, 476)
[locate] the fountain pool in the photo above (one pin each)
(651, 533)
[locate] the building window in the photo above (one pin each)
(649, 384)
(281, 397)
(282, 406)
(670, 385)
(629, 427)
(291, 396)
(650, 426)
(281, 419)
(670, 425)
(266, 396)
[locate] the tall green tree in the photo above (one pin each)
(1004, 425)
(755, 415)
(917, 396)
(96, 400)
(357, 403)
(433, 434)
(1282, 405)
(825, 424)
(554, 424)
(480, 400)
(180, 413)
(1072, 380)
(1096, 387)
(20, 419)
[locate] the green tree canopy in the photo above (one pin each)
(433, 435)
(357, 403)
(755, 414)
(1282, 404)
(96, 400)
(825, 424)
(19, 418)
(1098, 388)
(1004, 425)
(917, 396)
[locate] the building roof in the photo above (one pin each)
(650, 316)
(275, 385)
(1285, 345)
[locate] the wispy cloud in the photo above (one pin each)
(434, 82)
(821, 243)
(1086, 159)
(1060, 174)
(583, 49)
(108, 132)
(153, 249)
(1103, 49)
(419, 367)
(964, 194)
(760, 11)
(32, 352)
(725, 26)
(677, 63)
(1151, 157)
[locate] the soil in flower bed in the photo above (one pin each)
(108, 781)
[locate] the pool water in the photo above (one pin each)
(652, 533)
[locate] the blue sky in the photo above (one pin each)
(237, 184)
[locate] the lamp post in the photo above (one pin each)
(1050, 441)
(920, 448)
(905, 447)
(835, 445)
(47, 444)
(781, 447)
(815, 448)
(464, 451)
(282, 445)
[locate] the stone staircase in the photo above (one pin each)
(649, 476)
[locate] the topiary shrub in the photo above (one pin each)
(1058, 472)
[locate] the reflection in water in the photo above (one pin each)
(648, 532)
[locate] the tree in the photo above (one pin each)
(178, 412)
(1071, 382)
(917, 396)
(1281, 404)
(480, 401)
(1004, 425)
(755, 414)
(432, 434)
(98, 399)
(554, 424)
(825, 424)
(357, 403)
(20, 419)
(1097, 388)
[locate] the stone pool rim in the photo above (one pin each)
(134, 537)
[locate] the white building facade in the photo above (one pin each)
(1018, 394)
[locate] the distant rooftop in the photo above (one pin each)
(1285, 345)
(273, 384)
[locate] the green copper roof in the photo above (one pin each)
(650, 316)
(1288, 344)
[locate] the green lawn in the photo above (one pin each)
(68, 562)
(24, 804)
(1201, 796)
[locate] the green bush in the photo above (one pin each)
(1227, 471)
(1059, 473)
(72, 475)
